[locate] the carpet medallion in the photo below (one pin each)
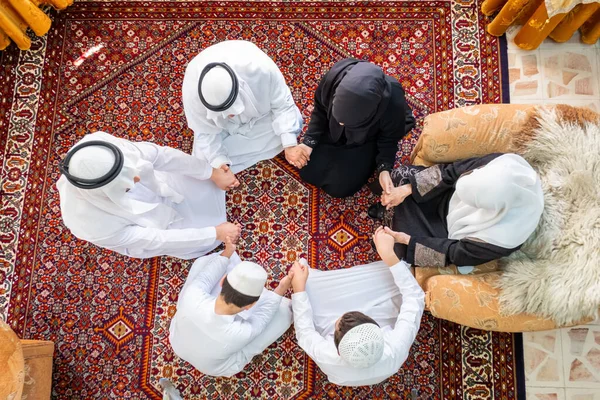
(118, 67)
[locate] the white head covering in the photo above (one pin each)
(248, 278)
(93, 162)
(500, 203)
(362, 346)
(216, 87)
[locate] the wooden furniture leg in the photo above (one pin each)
(573, 21)
(13, 25)
(35, 18)
(590, 30)
(539, 26)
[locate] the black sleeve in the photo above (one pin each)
(393, 129)
(439, 252)
(438, 179)
(319, 123)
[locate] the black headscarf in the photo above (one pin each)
(357, 94)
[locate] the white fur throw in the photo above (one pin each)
(557, 273)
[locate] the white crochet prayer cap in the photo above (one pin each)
(216, 86)
(248, 278)
(362, 346)
(91, 162)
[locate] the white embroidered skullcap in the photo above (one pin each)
(91, 162)
(216, 86)
(248, 278)
(362, 346)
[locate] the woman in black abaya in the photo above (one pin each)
(359, 116)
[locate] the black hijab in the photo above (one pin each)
(357, 94)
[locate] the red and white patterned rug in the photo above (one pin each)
(108, 314)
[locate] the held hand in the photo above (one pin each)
(385, 180)
(227, 229)
(397, 196)
(225, 180)
(385, 246)
(297, 156)
(229, 248)
(285, 284)
(399, 237)
(299, 275)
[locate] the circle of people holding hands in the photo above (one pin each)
(358, 324)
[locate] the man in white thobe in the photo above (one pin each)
(358, 324)
(143, 200)
(225, 316)
(240, 108)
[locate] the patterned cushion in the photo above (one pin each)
(470, 131)
(472, 300)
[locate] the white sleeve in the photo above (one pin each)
(287, 120)
(208, 140)
(172, 160)
(316, 346)
(143, 242)
(262, 313)
(407, 325)
(204, 275)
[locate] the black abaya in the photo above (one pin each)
(423, 216)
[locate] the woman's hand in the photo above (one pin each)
(396, 196)
(399, 237)
(385, 247)
(385, 180)
(298, 155)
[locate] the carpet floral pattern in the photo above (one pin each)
(108, 314)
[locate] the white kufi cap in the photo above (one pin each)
(216, 86)
(248, 278)
(362, 346)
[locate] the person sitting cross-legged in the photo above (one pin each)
(358, 324)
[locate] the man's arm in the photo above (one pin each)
(287, 120)
(263, 312)
(316, 346)
(143, 242)
(173, 160)
(204, 275)
(407, 325)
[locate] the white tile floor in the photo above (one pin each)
(562, 364)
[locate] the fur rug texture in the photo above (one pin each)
(557, 273)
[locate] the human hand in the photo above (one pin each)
(385, 180)
(228, 230)
(297, 156)
(384, 243)
(284, 284)
(299, 275)
(224, 179)
(399, 237)
(397, 196)
(230, 248)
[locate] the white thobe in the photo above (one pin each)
(222, 345)
(191, 232)
(368, 289)
(269, 123)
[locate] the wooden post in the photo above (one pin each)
(35, 18)
(590, 30)
(574, 19)
(533, 33)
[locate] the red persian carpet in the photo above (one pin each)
(118, 67)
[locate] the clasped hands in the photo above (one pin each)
(392, 196)
(224, 178)
(298, 155)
